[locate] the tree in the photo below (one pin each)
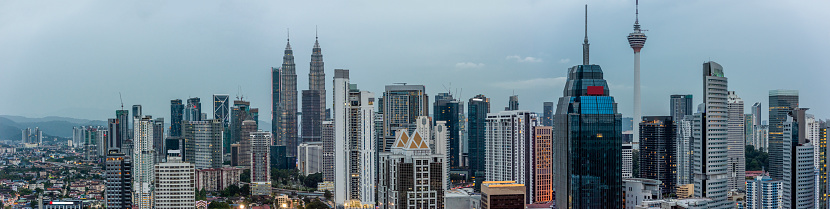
(635, 161)
(219, 205)
(201, 194)
(311, 181)
(316, 204)
(246, 176)
(327, 194)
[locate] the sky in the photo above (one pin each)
(73, 58)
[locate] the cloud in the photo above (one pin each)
(566, 60)
(466, 65)
(523, 59)
(533, 83)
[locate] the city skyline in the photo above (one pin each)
(147, 37)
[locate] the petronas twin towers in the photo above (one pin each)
(284, 101)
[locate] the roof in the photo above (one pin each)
(404, 141)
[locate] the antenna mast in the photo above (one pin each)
(122, 100)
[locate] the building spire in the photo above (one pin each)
(288, 39)
(315, 32)
(636, 11)
(585, 44)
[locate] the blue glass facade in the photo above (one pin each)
(588, 143)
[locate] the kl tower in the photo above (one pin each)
(637, 39)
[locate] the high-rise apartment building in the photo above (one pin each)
(101, 138)
(628, 160)
(244, 151)
(203, 143)
(448, 109)
(193, 110)
(658, 140)
(328, 151)
(175, 184)
(221, 108)
(543, 161)
(284, 106)
(402, 104)
(684, 153)
(118, 132)
(547, 115)
(736, 168)
(823, 186)
(309, 157)
(439, 142)
(709, 162)
(240, 112)
(799, 173)
(588, 141)
(756, 136)
(510, 149)
(118, 174)
(176, 118)
(354, 136)
(763, 192)
(477, 110)
(410, 175)
(143, 157)
(781, 102)
(260, 163)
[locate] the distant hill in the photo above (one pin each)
(11, 126)
(9, 130)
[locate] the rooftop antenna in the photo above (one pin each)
(400, 83)
(122, 100)
(288, 34)
(315, 32)
(585, 44)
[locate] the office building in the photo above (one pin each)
(244, 151)
(513, 103)
(510, 149)
(309, 157)
(203, 143)
(312, 119)
(477, 110)
(439, 143)
(284, 104)
(328, 151)
(101, 137)
(260, 163)
(317, 77)
(355, 145)
(176, 118)
(221, 109)
(410, 176)
(709, 162)
(657, 151)
(502, 194)
(158, 139)
(763, 192)
(143, 156)
(175, 184)
(680, 106)
(637, 40)
(118, 174)
(448, 109)
(547, 115)
(628, 160)
(217, 179)
(781, 102)
(235, 155)
(543, 157)
(588, 141)
(240, 112)
(193, 110)
(685, 190)
(637, 190)
(798, 170)
(823, 186)
(757, 136)
(736, 168)
(402, 104)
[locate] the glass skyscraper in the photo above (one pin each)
(477, 109)
(450, 110)
(781, 102)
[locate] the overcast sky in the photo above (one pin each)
(72, 58)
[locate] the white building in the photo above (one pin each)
(627, 160)
(684, 150)
(799, 174)
(438, 142)
(763, 192)
(261, 162)
(689, 203)
(143, 158)
(709, 162)
(410, 174)
(206, 139)
(355, 145)
(737, 142)
(509, 148)
(175, 184)
(310, 157)
(637, 190)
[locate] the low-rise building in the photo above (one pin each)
(689, 203)
(502, 194)
(217, 179)
(637, 190)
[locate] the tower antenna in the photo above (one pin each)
(315, 32)
(636, 11)
(288, 34)
(585, 44)
(122, 100)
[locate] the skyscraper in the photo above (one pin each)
(176, 117)
(479, 107)
(680, 106)
(763, 192)
(221, 111)
(118, 169)
(710, 139)
(658, 140)
(547, 115)
(143, 156)
(448, 109)
(799, 184)
(244, 152)
(402, 106)
(175, 184)
(637, 40)
(757, 128)
(312, 120)
(736, 169)
(410, 175)
(309, 155)
(328, 151)
(203, 143)
(513, 103)
(355, 145)
(315, 112)
(685, 174)
(588, 140)
(193, 109)
(543, 161)
(509, 149)
(119, 131)
(781, 102)
(240, 112)
(260, 163)
(158, 139)
(284, 107)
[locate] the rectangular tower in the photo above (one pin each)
(737, 142)
(710, 143)
(143, 156)
(477, 110)
(658, 151)
(176, 117)
(175, 184)
(260, 163)
(781, 102)
(799, 184)
(510, 148)
(448, 109)
(118, 171)
(402, 106)
(221, 111)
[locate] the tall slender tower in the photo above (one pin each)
(636, 39)
(285, 103)
(317, 76)
(314, 99)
